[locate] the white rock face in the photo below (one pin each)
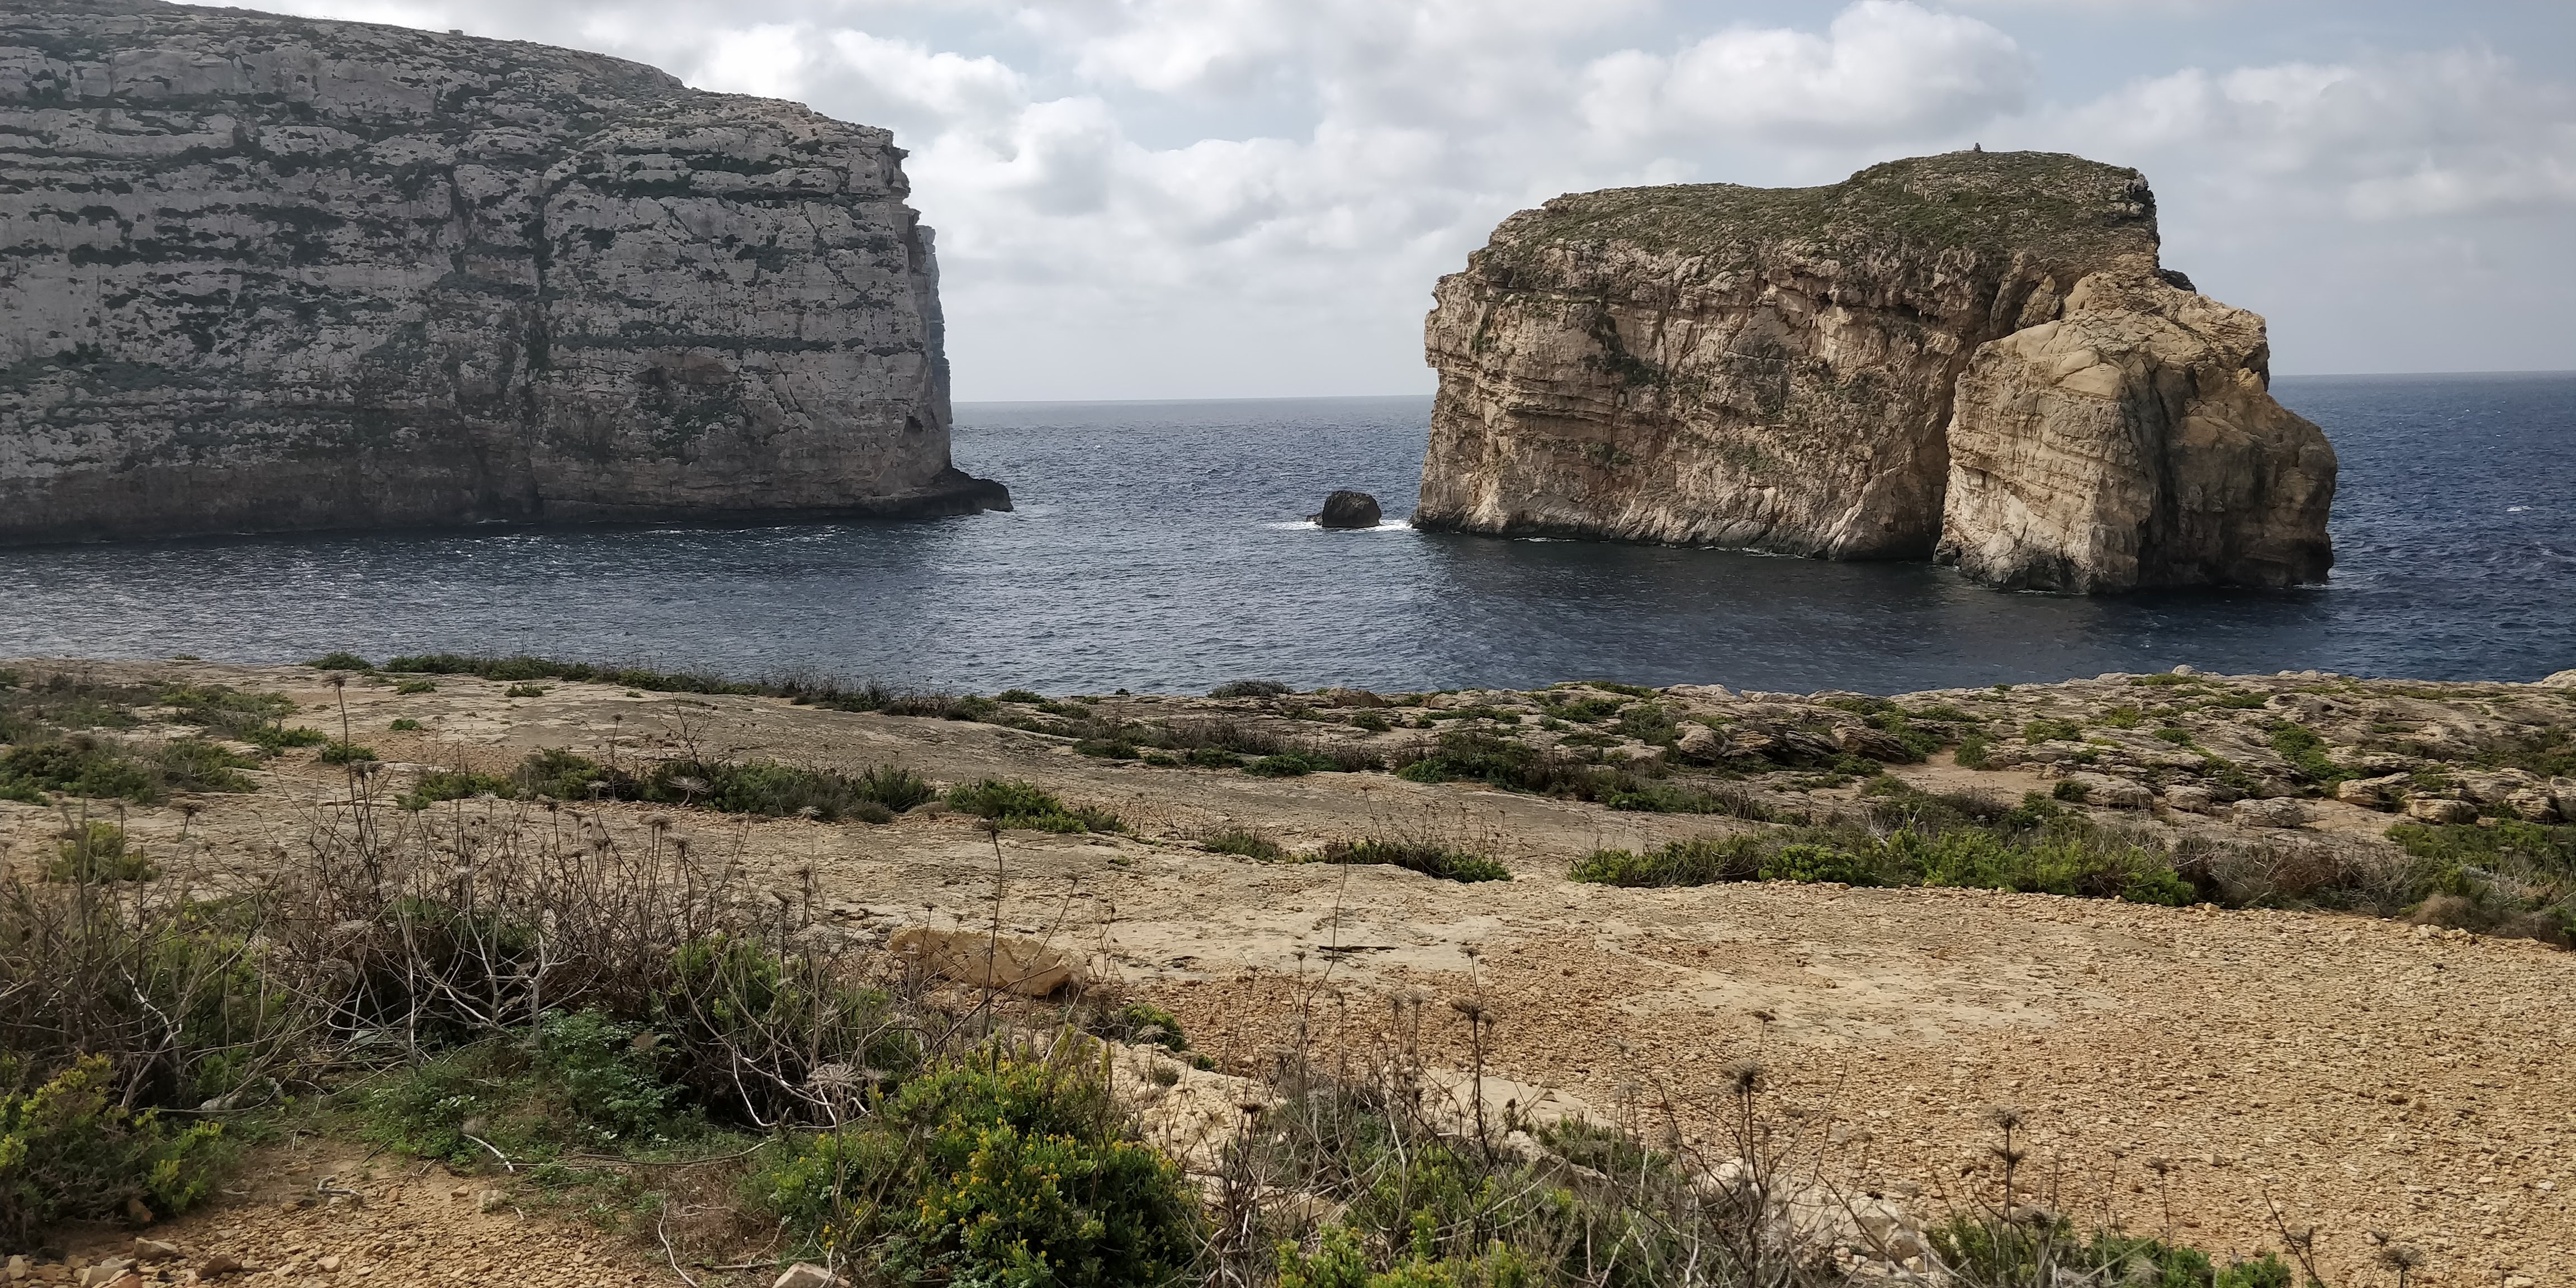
(271, 273)
(2131, 442)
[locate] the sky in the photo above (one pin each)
(1252, 198)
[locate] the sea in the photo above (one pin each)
(1163, 547)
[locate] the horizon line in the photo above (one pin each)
(1231, 398)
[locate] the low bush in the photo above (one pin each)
(582, 1081)
(341, 661)
(70, 1150)
(1428, 857)
(345, 753)
(2504, 876)
(1248, 842)
(1936, 841)
(94, 850)
(761, 787)
(1013, 803)
(1250, 689)
(1005, 1169)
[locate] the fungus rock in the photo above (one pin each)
(1974, 357)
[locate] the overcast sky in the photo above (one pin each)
(1235, 198)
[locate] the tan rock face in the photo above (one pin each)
(1795, 370)
(2131, 442)
(272, 273)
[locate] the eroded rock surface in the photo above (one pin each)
(1886, 367)
(266, 273)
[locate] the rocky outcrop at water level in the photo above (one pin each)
(1974, 357)
(266, 273)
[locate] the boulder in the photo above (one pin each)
(2372, 793)
(2110, 792)
(2440, 809)
(2559, 680)
(2276, 811)
(2494, 787)
(2534, 805)
(979, 959)
(1348, 509)
(2191, 798)
(1699, 742)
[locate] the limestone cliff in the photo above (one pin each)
(1974, 356)
(269, 273)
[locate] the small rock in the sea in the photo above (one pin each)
(1348, 509)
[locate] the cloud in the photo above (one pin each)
(1207, 197)
(1885, 70)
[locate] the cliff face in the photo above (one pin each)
(266, 273)
(1973, 356)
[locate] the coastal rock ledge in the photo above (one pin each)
(263, 273)
(1973, 357)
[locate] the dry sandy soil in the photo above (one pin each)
(2362, 1075)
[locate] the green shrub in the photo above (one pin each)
(404, 725)
(2068, 789)
(1698, 861)
(2306, 753)
(1975, 751)
(341, 662)
(1250, 689)
(1144, 1022)
(2175, 734)
(1817, 863)
(518, 691)
(1290, 765)
(68, 1152)
(346, 753)
(1339, 1261)
(1655, 797)
(79, 765)
(1013, 803)
(1429, 858)
(97, 851)
(1004, 1171)
(1019, 695)
(437, 785)
(197, 765)
(586, 1082)
(762, 787)
(1983, 1250)
(2045, 730)
(1247, 842)
(406, 688)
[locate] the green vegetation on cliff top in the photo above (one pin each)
(2051, 205)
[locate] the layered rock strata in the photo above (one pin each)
(268, 273)
(1974, 357)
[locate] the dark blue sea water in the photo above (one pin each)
(1159, 547)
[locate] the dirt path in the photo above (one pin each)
(2363, 1074)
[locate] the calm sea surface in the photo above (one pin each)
(1160, 547)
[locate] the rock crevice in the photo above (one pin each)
(266, 273)
(1974, 356)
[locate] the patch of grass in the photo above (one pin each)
(1975, 752)
(1248, 842)
(2306, 753)
(1027, 696)
(72, 1149)
(1250, 689)
(2175, 734)
(95, 851)
(346, 753)
(516, 691)
(1003, 1171)
(1013, 803)
(587, 1082)
(1661, 797)
(1414, 854)
(1699, 861)
(2047, 730)
(404, 724)
(406, 688)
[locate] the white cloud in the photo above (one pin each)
(1885, 70)
(1207, 197)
